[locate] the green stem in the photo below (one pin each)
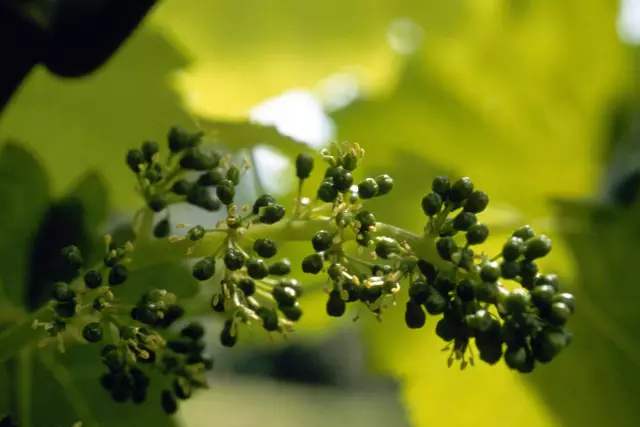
(14, 339)
(23, 385)
(162, 251)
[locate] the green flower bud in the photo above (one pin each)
(304, 166)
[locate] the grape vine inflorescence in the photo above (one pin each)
(359, 260)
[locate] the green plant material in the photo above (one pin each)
(24, 192)
(603, 363)
(438, 265)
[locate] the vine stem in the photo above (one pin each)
(152, 253)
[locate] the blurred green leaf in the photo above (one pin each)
(72, 220)
(75, 375)
(602, 367)
(24, 196)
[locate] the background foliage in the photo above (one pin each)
(534, 100)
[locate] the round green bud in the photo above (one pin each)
(262, 202)
(428, 270)
(368, 188)
(525, 232)
(519, 359)
(466, 290)
(414, 315)
(487, 292)
(559, 314)
(477, 234)
(266, 248)
(517, 301)
(168, 402)
(293, 313)
(92, 332)
(233, 174)
(196, 233)
(62, 292)
(204, 269)
(247, 286)
(386, 247)
(528, 273)
(460, 190)
(464, 220)
(269, 318)
(149, 149)
(162, 229)
(322, 240)
(280, 268)
(234, 259)
(435, 303)
(342, 180)
(476, 202)
(366, 220)
(567, 299)
(548, 344)
(490, 272)
(66, 308)
(118, 275)
(200, 197)
(194, 159)
(99, 303)
(217, 303)
(312, 264)
(272, 214)
(537, 247)
(419, 291)
(335, 271)
(226, 192)
(257, 268)
(284, 295)
(304, 166)
(92, 279)
(336, 306)
(509, 269)
(72, 256)
(211, 178)
(432, 204)
(446, 247)
(134, 159)
(157, 202)
(193, 330)
(447, 328)
(512, 249)
(441, 185)
(385, 184)
(180, 139)
(349, 160)
(549, 279)
(228, 335)
(480, 321)
(326, 192)
(181, 187)
(542, 296)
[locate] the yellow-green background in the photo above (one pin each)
(517, 94)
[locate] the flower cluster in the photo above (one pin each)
(134, 339)
(361, 261)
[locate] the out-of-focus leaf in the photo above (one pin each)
(68, 387)
(24, 195)
(72, 220)
(602, 366)
(261, 50)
